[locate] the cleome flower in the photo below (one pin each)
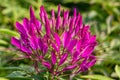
(60, 42)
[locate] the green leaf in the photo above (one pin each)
(98, 77)
(19, 78)
(9, 32)
(16, 74)
(3, 42)
(10, 68)
(1, 78)
(117, 70)
(27, 69)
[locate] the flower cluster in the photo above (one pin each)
(58, 43)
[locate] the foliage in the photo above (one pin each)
(102, 16)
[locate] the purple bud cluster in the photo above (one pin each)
(59, 42)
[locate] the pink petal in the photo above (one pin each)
(72, 44)
(71, 25)
(70, 67)
(78, 46)
(20, 28)
(45, 48)
(76, 55)
(87, 51)
(41, 45)
(78, 23)
(65, 18)
(53, 19)
(66, 39)
(55, 47)
(15, 42)
(53, 13)
(83, 67)
(91, 63)
(47, 26)
(53, 57)
(34, 42)
(84, 30)
(58, 22)
(57, 39)
(26, 24)
(24, 39)
(75, 12)
(59, 10)
(38, 25)
(63, 58)
(25, 49)
(32, 30)
(46, 64)
(32, 16)
(92, 39)
(42, 14)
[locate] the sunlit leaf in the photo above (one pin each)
(117, 70)
(97, 77)
(1, 78)
(3, 42)
(17, 75)
(9, 32)
(10, 68)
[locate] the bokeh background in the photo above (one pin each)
(102, 15)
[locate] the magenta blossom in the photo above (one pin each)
(59, 43)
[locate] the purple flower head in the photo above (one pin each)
(66, 41)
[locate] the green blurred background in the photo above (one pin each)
(102, 15)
